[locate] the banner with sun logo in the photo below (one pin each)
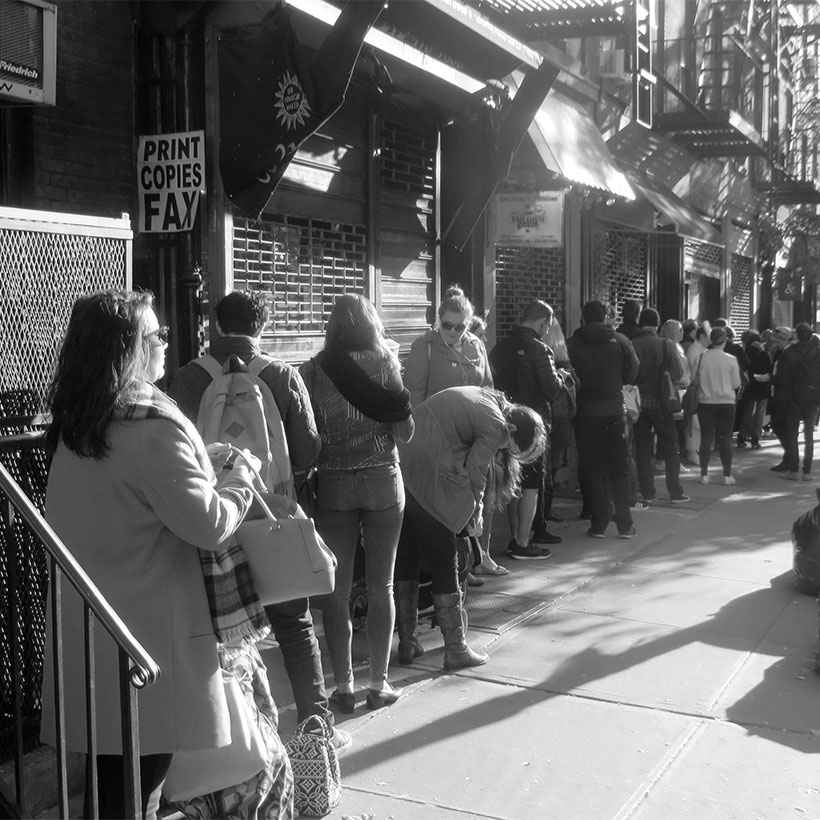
(272, 98)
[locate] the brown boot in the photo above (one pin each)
(457, 655)
(406, 595)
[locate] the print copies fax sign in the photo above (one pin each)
(534, 220)
(171, 170)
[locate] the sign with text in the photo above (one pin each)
(535, 220)
(171, 171)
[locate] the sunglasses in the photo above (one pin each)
(459, 326)
(161, 333)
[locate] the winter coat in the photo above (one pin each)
(523, 367)
(652, 352)
(433, 365)
(791, 367)
(134, 520)
(604, 361)
(446, 463)
(760, 364)
(285, 383)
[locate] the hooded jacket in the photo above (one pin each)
(604, 361)
(792, 366)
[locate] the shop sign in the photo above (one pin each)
(534, 220)
(171, 175)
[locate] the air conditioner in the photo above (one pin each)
(28, 52)
(612, 64)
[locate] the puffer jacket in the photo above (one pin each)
(433, 365)
(523, 367)
(604, 362)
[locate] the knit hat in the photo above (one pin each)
(718, 335)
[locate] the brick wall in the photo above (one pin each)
(524, 274)
(84, 146)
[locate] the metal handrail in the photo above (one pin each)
(145, 670)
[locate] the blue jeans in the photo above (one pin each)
(603, 466)
(370, 503)
(661, 421)
(292, 626)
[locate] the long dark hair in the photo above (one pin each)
(102, 365)
(354, 324)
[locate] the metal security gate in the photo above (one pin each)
(47, 260)
(740, 306)
(619, 265)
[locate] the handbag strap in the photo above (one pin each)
(314, 723)
(256, 494)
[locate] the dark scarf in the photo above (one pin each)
(384, 404)
(237, 615)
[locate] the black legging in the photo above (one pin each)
(421, 533)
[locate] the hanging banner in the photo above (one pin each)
(171, 175)
(272, 98)
(535, 220)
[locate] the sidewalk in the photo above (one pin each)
(662, 678)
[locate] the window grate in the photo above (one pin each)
(619, 265)
(407, 158)
(740, 309)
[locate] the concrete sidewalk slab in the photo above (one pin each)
(726, 773)
(506, 752)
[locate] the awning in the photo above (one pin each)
(651, 153)
(570, 145)
(686, 219)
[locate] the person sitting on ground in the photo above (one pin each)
(241, 318)
(718, 379)
(362, 410)
(462, 433)
(524, 369)
(605, 361)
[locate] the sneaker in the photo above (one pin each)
(806, 477)
(755, 444)
(595, 533)
(704, 479)
(630, 533)
(546, 538)
(510, 546)
(741, 443)
(680, 499)
(729, 479)
(341, 740)
(791, 475)
(529, 552)
(778, 468)
(640, 505)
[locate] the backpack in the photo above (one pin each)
(807, 389)
(238, 408)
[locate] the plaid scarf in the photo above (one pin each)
(237, 615)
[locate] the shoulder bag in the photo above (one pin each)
(287, 557)
(670, 398)
(689, 402)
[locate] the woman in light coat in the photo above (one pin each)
(131, 494)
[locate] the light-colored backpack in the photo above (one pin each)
(238, 408)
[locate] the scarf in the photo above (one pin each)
(383, 404)
(236, 614)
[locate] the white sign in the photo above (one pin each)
(536, 219)
(171, 171)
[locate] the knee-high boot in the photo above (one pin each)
(457, 655)
(406, 595)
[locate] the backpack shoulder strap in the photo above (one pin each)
(210, 365)
(258, 363)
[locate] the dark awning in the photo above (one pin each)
(686, 219)
(570, 145)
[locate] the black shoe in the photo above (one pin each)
(529, 553)
(584, 515)
(779, 468)
(556, 518)
(630, 533)
(755, 444)
(345, 702)
(595, 533)
(378, 699)
(546, 538)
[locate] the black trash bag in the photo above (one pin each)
(806, 551)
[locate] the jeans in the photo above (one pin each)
(751, 425)
(292, 626)
(421, 533)
(791, 449)
(370, 503)
(716, 421)
(603, 464)
(661, 421)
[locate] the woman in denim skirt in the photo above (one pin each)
(361, 409)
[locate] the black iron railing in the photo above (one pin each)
(30, 549)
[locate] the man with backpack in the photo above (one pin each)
(797, 376)
(238, 395)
